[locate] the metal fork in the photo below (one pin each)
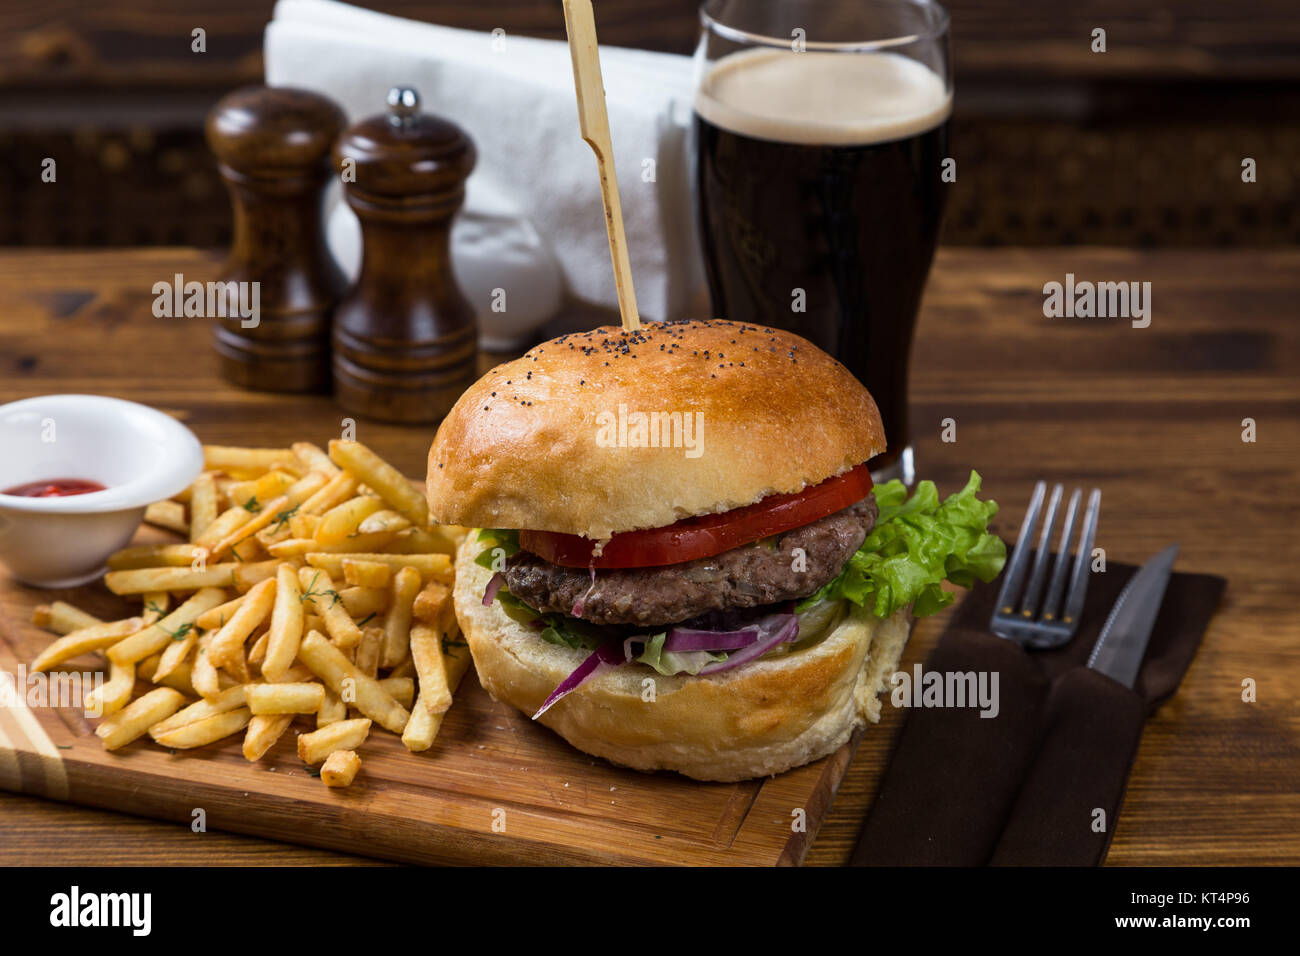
(1046, 624)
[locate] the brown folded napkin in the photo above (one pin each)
(966, 790)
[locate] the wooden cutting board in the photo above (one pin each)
(494, 789)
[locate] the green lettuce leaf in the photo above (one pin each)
(916, 544)
(555, 628)
(493, 538)
(669, 663)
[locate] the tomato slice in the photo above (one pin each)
(705, 535)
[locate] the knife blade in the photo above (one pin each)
(1119, 650)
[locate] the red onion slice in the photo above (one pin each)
(495, 583)
(682, 639)
(778, 628)
(603, 655)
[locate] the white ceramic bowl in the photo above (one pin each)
(139, 454)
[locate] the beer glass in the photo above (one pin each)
(820, 134)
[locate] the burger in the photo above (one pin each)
(678, 559)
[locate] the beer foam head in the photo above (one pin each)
(822, 99)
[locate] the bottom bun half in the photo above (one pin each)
(763, 718)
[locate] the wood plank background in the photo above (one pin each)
(1056, 145)
(147, 42)
(1153, 416)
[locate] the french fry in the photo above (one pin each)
(432, 603)
(338, 488)
(297, 547)
(224, 484)
(156, 606)
(293, 467)
(248, 551)
(227, 457)
(301, 497)
(289, 548)
(297, 674)
(452, 534)
(174, 655)
(237, 667)
(228, 642)
(402, 690)
(178, 679)
(432, 567)
(96, 637)
(153, 556)
(369, 650)
(404, 669)
(213, 618)
(146, 668)
(263, 731)
(332, 709)
(230, 699)
(206, 731)
(203, 504)
(386, 520)
(424, 725)
(297, 698)
(257, 653)
(276, 510)
(247, 575)
(304, 526)
(431, 666)
(315, 746)
(249, 495)
(110, 697)
(223, 526)
(142, 580)
(366, 574)
(62, 618)
(312, 458)
(363, 604)
(318, 589)
(422, 541)
(340, 768)
(328, 663)
(382, 478)
(135, 719)
(397, 624)
(286, 624)
(169, 515)
(174, 626)
(203, 675)
(342, 520)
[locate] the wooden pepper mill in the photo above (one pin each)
(405, 337)
(273, 150)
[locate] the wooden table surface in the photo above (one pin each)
(1153, 416)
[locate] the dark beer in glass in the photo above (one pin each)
(820, 131)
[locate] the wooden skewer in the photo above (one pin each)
(593, 120)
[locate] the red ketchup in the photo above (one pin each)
(54, 488)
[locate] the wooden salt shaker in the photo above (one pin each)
(405, 336)
(273, 150)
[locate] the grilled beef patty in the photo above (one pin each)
(748, 576)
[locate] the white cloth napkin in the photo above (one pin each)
(533, 223)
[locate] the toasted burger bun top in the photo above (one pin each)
(607, 431)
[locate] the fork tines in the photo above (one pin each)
(1019, 615)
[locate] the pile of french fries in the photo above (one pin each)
(312, 585)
